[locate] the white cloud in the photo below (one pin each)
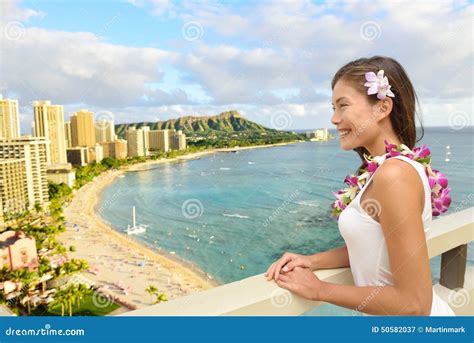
(77, 67)
(10, 10)
(301, 45)
(156, 7)
(258, 58)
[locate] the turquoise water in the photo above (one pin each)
(243, 210)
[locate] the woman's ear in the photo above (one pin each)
(385, 107)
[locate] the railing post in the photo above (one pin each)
(453, 267)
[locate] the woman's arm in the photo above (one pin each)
(398, 190)
(334, 258)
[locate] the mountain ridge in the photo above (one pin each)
(228, 121)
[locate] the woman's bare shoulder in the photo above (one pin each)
(398, 177)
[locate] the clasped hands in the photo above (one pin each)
(294, 272)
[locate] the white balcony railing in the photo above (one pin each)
(254, 296)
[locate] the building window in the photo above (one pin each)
(24, 256)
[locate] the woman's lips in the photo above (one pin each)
(343, 132)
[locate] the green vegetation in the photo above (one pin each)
(76, 300)
(239, 139)
(71, 267)
(85, 174)
(58, 195)
(44, 233)
(226, 130)
(154, 292)
(227, 121)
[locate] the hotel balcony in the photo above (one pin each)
(254, 296)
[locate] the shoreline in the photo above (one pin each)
(120, 258)
(142, 166)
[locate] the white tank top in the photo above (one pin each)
(366, 245)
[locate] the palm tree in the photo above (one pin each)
(151, 290)
(27, 299)
(59, 300)
(69, 268)
(4, 274)
(38, 207)
(81, 265)
(160, 297)
(70, 295)
(23, 275)
(16, 275)
(82, 290)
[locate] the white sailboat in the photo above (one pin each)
(134, 228)
(447, 154)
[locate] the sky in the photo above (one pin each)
(273, 61)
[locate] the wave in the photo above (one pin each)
(251, 162)
(235, 215)
(222, 168)
(311, 203)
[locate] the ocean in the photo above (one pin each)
(233, 214)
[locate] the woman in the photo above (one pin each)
(384, 224)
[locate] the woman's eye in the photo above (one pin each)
(342, 105)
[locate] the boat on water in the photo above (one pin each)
(135, 229)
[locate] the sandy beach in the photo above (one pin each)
(122, 265)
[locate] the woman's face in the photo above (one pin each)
(354, 116)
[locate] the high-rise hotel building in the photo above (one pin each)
(23, 181)
(67, 133)
(105, 131)
(159, 140)
(166, 140)
(83, 129)
(9, 119)
(178, 141)
(116, 149)
(137, 141)
(49, 123)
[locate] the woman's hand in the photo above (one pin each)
(287, 263)
(303, 282)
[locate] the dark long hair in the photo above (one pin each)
(405, 101)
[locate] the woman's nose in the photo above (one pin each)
(335, 119)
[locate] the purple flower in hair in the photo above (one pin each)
(378, 84)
